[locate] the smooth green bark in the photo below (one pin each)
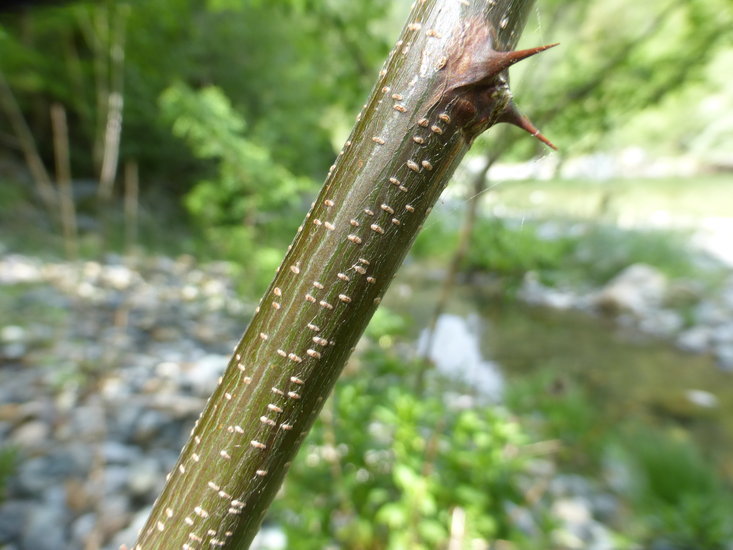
(434, 95)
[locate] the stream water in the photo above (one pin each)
(627, 375)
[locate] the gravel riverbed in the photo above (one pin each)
(105, 366)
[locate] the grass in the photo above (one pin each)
(635, 200)
(563, 251)
(579, 233)
(8, 466)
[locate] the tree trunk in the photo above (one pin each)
(27, 144)
(443, 83)
(67, 208)
(115, 103)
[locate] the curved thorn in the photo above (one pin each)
(511, 115)
(504, 60)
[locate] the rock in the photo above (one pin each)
(119, 277)
(16, 269)
(82, 528)
(116, 479)
(35, 475)
(19, 385)
(572, 510)
(535, 293)
(711, 312)
(114, 514)
(81, 493)
(564, 485)
(167, 456)
(661, 322)
(724, 356)
(522, 518)
(122, 424)
(148, 425)
(13, 517)
(88, 422)
(32, 435)
(684, 293)
(115, 452)
(176, 406)
(203, 376)
(578, 528)
(696, 339)
(14, 351)
(129, 534)
(168, 369)
(723, 333)
(702, 398)
(605, 507)
(12, 333)
(635, 290)
(146, 478)
(166, 334)
(45, 528)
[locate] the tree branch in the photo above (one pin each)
(443, 84)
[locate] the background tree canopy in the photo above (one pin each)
(296, 72)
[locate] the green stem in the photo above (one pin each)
(436, 92)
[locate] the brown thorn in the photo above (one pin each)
(511, 115)
(503, 60)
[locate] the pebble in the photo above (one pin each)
(145, 478)
(203, 375)
(31, 435)
(12, 333)
(44, 529)
(116, 452)
(82, 528)
(637, 289)
(13, 517)
(724, 355)
(696, 339)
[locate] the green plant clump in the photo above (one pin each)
(563, 251)
(675, 493)
(386, 468)
(8, 465)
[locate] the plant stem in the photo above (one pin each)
(63, 179)
(27, 144)
(443, 84)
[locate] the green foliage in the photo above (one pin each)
(8, 465)
(384, 468)
(604, 250)
(436, 241)
(267, 58)
(676, 492)
(385, 326)
(511, 248)
(568, 252)
(245, 208)
(557, 409)
(618, 59)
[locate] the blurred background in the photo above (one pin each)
(553, 366)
